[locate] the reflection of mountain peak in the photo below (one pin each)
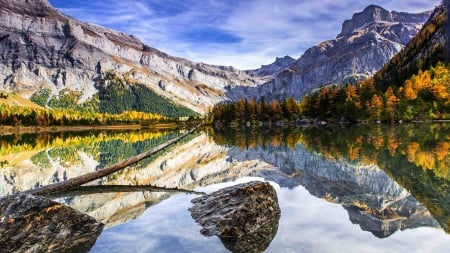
(385, 222)
(371, 197)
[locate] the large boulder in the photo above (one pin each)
(31, 223)
(245, 217)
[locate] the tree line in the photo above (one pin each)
(424, 96)
(26, 116)
(252, 111)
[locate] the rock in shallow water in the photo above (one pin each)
(31, 223)
(245, 217)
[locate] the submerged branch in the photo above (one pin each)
(83, 179)
(93, 189)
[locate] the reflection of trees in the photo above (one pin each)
(416, 156)
(66, 145)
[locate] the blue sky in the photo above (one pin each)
(240, 33)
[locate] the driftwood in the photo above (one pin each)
(86, 178)
(94, 189)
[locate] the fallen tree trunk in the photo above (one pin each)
(86, 178)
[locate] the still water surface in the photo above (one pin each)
(353, 189)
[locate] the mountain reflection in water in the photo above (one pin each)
(379, 174)
(384, 178)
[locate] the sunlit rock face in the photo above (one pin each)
(36, 224)
(366, 42)
(41, 47)
(373, 199)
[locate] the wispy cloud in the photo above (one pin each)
(244, 34)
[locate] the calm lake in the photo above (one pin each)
(382, 188)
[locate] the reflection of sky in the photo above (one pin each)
(307, 224)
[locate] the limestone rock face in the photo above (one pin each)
(273, 68)
(36, 224)
(41, 47)
(245, 216)
(367, 42)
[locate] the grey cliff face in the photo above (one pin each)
(43, 48)
(278, 65)
(367, 41)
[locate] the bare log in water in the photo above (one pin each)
(86, 178)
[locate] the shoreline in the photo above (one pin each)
(8, 130)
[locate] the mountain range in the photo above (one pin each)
(44, 49)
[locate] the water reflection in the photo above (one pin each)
(370, 171)
(386, 179)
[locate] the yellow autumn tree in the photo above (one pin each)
(376, 106)
(351, 94)
(409, 91)
(391, 103)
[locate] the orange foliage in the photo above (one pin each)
(442, 150)
(412, 149)
(410, 93)
(426, 160)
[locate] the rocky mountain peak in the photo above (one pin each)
(284, 60)
(375, 14)
(33, 8)
(367, 41)
(279, 64)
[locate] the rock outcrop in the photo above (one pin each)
(269, 70)
(42, 48)
(366, 42)
(36, 224)
(245, 217)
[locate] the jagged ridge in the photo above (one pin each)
(367, 41)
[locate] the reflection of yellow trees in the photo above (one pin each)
(426, 147)
(393, 144)
(355, 148)
(412, 150)
(426, 160)
(436, 158)
(442, 150)
(62, 141)
(377, 141)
